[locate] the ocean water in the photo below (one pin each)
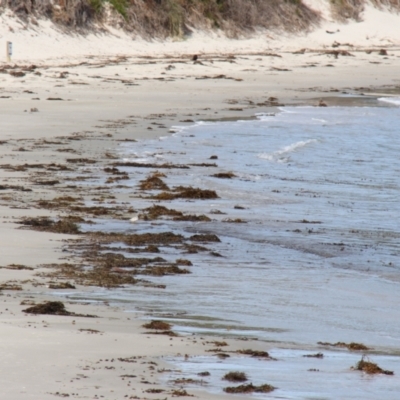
(316, 257)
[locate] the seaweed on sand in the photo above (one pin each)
(235, 376)
(53, 308)
(97, 276)
(158, 325)
(371, 368)
(46, 224)
(157, 211)
(250, 388)
(162, 270)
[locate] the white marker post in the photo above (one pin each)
(9, 51)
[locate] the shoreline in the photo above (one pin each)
(92, 118)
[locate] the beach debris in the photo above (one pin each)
(213, 157)
(383, 52)
(350, 346)
(235, 376)
(316, 355)
(158, 325)
(250, 388)
(53, 308)
(34, 109)
(370, 367)
(204, 373)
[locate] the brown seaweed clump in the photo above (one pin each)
(254, 353)
(182, 192)
(46, 224)
(224, 175)
(157, 211)
(350, 346)
(52, 308)
(371, 368)
(153, 182)
(159, 325)
(235, 376)
(61, 285)
(250, 388)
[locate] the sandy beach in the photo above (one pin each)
(67, 103)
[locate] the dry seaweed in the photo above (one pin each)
(159, 325)
(350, 346)
(204, 373)
(235, 376)
(53, 308)
(371, 368)
(250, 388)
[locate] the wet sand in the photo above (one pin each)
(61, 126)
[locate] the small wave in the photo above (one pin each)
(392, 100)
(281, 155)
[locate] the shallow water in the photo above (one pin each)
(318, 256)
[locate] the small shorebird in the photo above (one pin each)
(134, 218)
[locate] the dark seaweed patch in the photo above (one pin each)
(250, 388)
(350, 346)
(52, 308)
(371, 368)
(235, 376)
